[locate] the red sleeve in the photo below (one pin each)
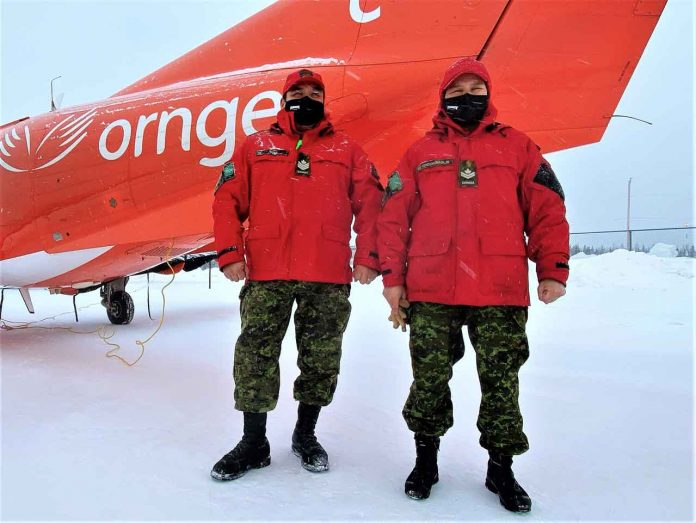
(401, 201)
(366, 195)
(545, 218)
(231, 208)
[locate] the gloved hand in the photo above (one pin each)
(399, 320)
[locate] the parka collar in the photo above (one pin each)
(286, 125)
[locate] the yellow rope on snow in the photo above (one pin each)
(5, 324)
(116, 347)
(103, 332)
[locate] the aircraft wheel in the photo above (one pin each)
(120, 310)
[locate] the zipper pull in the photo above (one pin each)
(299, 144)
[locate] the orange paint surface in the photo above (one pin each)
(136, 171)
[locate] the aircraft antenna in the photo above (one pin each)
(631, 117)
(53, 103)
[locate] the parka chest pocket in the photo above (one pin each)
(270, 160)
(330, 174)
(326, 164)
(499, 171)
(271, 169)
(435, 175)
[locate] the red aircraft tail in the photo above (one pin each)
(297, 33)
(560, 67)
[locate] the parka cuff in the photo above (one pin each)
(392, 279)
(553, 268)
(232, 254)
(368, 259)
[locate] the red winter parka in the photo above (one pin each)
(458, 207)
(300, 199)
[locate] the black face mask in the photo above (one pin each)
(466, 109)
(305, 110)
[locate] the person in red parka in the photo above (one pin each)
(299, 184)
(452, 249)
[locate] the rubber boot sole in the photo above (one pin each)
(229, 477)
(309, 466)
(425, 495)
(490, 486)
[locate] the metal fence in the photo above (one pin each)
(598, 242)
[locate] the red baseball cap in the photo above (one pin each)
(303, 76)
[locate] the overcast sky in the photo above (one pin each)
(101, 46)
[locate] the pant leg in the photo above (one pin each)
(321, 319)
(436, 344)
(265, 308)
(500, 341)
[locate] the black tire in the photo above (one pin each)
(120, 310)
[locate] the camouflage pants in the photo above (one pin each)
(321, 318)
(436, 343)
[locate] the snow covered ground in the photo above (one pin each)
(606, 394)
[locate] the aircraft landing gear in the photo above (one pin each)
(118, 303)
(120, 310)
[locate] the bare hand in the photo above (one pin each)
(393, 295)
(399, 319)
(550, 290)
(235, 271)
(396, 298)
(363, 274)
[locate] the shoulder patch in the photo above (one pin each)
(394, 185)
(546, 177)
(434, 163)
(226, 175)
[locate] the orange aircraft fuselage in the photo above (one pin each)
(100, 191)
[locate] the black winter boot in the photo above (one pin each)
(500, 480)
(424, 475)
(304, 442)
(252, 452)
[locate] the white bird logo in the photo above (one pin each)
(303, 165)
(73, 130)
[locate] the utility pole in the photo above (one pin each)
(628, 218)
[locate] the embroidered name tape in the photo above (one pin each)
(272, 152)
(434, 163)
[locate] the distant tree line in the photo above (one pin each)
(683, 251)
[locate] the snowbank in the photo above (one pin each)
(606, 395)
(664, 250)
